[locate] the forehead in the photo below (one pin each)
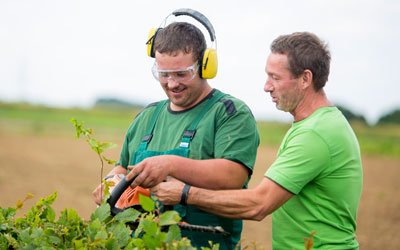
(177, 60)
(277, 62)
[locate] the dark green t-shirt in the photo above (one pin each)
(227, 131)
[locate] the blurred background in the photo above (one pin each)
(69, 53)
(87, 60)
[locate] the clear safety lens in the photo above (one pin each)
(180, 75)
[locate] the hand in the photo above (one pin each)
(151, 171)
(97, 194)
(169, 192)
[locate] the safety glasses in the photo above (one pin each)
(178, 75)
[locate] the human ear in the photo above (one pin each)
(307, 78)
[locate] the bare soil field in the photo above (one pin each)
(43, 164)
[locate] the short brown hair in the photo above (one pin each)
(305, 51)
(181, 37)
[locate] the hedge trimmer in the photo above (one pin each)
(120, 188)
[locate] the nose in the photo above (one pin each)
(268, 85)
(172, 83)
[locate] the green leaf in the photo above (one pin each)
(49, 200)
(7, 213)
(138, 242)
(77, 127)
(102, 213)
(174, 233)
(37, 233)
(50, 214)
(169, 218)
(152, 242)
(149, 227)
(92, 229)
(147, 203)
(78, 243)
(101, 234)
(69, 216)
(107, 145)
(122, 233)
(128, 215)
(13, 243)
(112, 244)
(109, 161)
(54, 240)
(24, 236)
(94, 144)
(80, 129)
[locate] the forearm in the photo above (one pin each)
(236, 204)
(251, 204)
(211, 174)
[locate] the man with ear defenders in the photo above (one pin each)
(199, 135)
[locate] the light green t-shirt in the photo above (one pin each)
(319, 162)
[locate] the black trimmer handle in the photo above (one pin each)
(116, 194)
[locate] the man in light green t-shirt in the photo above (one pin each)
(314, 185)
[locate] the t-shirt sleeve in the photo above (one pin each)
(124, 156)
(303, 157)
(237, 137)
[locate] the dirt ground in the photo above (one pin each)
(43, 164)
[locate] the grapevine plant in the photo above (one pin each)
(40, 229)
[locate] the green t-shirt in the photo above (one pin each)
(319, 162)
(227, 131)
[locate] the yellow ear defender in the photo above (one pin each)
(150, 42)
(209, 62)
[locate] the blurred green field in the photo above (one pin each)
(38, 143)
(112, 124)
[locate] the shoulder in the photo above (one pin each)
(143, 116)
(148, 109)
(233, 106)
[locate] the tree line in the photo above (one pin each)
(391, 117)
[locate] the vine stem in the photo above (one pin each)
(101, 177)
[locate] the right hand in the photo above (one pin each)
(169, 192)
(151, 171)
(98, 192)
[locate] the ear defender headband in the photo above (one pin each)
(209, 61)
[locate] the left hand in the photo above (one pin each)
(169, 192)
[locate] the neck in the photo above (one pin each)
(311, 101)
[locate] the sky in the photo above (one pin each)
(69, 53)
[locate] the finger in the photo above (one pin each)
(139, 179)
(133, 174)
(154, 189)
(96, 198)
(150, 181)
